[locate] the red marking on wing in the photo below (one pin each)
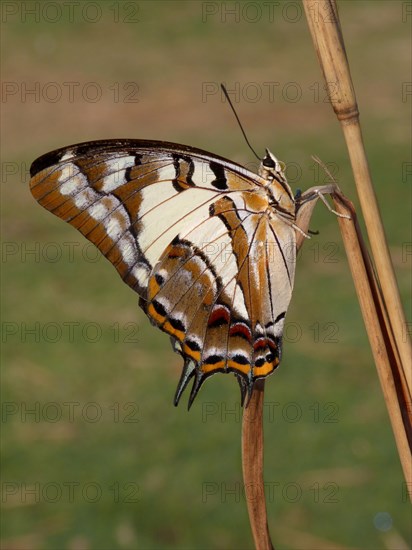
(239, 329)
(263, 343)
(219, 315)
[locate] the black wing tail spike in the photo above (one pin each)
(246, 389)
(189, 369)
(199, 379)
(249, 385)
(243, 388)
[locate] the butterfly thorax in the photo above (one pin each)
(279, 193)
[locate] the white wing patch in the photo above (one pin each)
(166, 173)
(185, 209)
(71, 180)
(98, 211)
(117, 168)
(141, 273)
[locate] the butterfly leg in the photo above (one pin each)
(305, 204)
(314, 193)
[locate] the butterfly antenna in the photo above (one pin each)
(238, 121)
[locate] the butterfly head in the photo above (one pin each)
(273, 171)
(272, 168)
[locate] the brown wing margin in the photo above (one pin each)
(91, 148)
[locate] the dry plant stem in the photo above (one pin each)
(324, 26)
(252, 461)
(394, 388)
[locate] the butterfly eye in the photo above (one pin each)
(268, 162)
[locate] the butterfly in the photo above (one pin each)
(209, 246)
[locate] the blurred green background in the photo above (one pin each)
(104, 460)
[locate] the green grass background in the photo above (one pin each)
(168, 478)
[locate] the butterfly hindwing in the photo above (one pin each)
(190, 232)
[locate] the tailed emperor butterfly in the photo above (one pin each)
(209, 246)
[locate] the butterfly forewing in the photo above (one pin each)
(189, 231)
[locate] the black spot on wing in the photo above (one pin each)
(159, 308)
(159, 279)
(213, 359)
(241, 359)
(137, 162)
(177, 324)
(192, 344)
(184, 169)
(220, 182)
